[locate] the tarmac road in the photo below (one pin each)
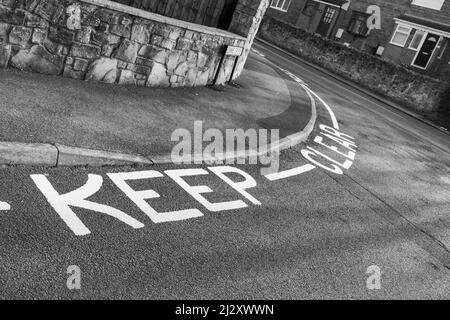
(313, 235)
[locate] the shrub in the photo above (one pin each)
(444, 100)
(367, 70)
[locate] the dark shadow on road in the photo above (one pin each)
(296, 117)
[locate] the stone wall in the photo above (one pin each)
(246, 21)
(112, 43)
(402, 85)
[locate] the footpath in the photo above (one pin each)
(56, 121)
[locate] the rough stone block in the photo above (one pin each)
(154, 53)
(20, 35)
(90, 20)
(201, 60)
(188, 34)
(4, 29)
(123, 28)
(71, 73)
(158, 77)
(34, 21)
(69, 60)
(102, 38)
(156, 40)
(190, 77)
(173, 60)
(140, 69)
(12, 16)
(103, 69)
(61, 35)
(140, 33)
(182, 69)
(38, 59)
(197, 45)
(144, 62)
(84, 35)
(80, 64)
(127, 77)
(183, 44)
(168, 44)
(5, 53)
(107, 50)
(202, 78)
(50, 10)
(127, 51)
(105, 15)
(161, 30)
(39, 36)
(192, 58)
(85, 51)
(174, 33)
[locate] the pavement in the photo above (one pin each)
(57, 121)
(316, 234)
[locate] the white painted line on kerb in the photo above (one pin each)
(289, 173)
(308, 90)
(333, 117)
(258, 53)
(4, 206)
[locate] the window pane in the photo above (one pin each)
(286, 4)
(417, 39)
(400, 38)
(403, 29)
(432, 4)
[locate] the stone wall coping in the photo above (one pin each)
(162, 19)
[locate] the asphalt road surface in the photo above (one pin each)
(361, 211)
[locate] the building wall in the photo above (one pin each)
(390, 9)
(293, 14)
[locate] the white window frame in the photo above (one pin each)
(395, 32)
(430, 4)
(425, 34)
(279, 5)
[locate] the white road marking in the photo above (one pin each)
(289, 173)
(4, 206)
(330, 111)
(197, 191)
(240, 187)
(258, 53)
(77, 198)
(140, 197)
(305, 86)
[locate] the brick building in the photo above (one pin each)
(413, 33)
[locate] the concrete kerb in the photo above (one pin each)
(277, 146)
(57, 155)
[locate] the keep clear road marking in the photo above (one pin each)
(63, 203)
(291, 172)
(342, 139)
(4, 206)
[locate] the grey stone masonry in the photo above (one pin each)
(246, 21)
(106, 41)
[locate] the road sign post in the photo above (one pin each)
(231, 51)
